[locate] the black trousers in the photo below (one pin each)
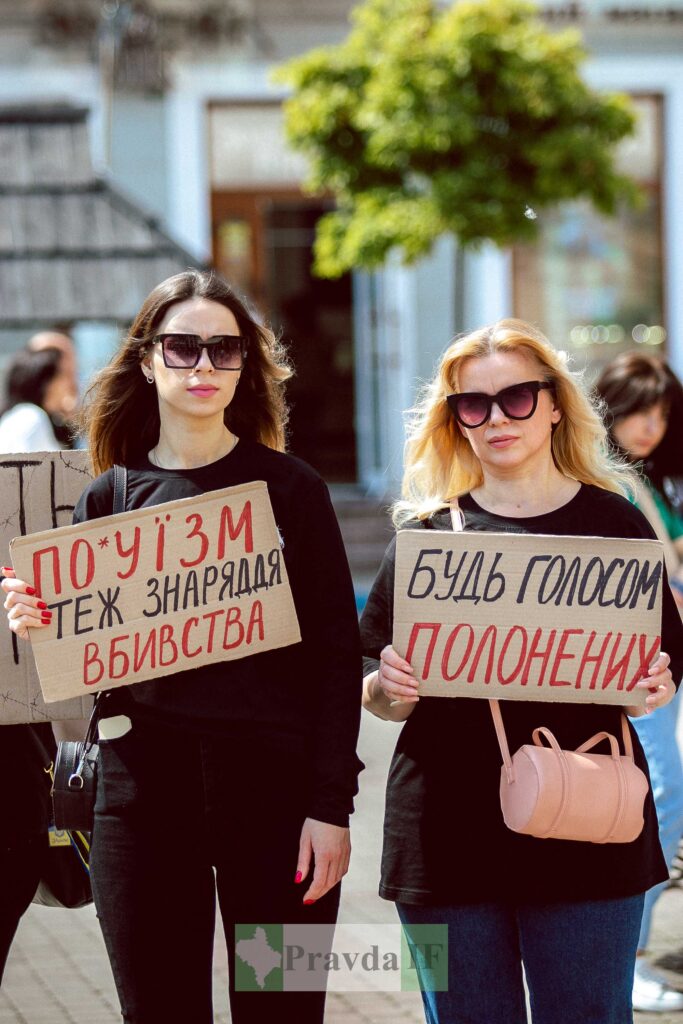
(24, 809)
(181, 818)
(21, 868)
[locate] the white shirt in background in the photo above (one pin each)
(27, 428)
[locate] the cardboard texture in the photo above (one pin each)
(148, 593)
(528, 617)
(38, 491)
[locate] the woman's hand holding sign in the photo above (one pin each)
(24, 608)
(391, 692)
(661, 688)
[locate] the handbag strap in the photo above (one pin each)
(502, 739)
(458, 524)
(120, 489)
(457, 516)
(119, 502)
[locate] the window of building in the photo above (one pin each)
(594, 284)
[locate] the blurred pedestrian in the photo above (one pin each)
(643, 402)
(63, 418)
(506, 429)
(34, 386)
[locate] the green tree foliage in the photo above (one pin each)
(469, 119)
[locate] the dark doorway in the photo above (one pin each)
(263, 243)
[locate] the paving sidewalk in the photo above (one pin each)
(58, 971)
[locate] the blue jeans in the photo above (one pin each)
(578, 959)
(657, 733)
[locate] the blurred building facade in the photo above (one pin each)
(186, 123)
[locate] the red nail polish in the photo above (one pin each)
(31, 590)
(41, 604)
(6, 568)
(297, 878)
(46, 617)
(307, 903)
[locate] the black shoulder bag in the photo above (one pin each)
(75, 771)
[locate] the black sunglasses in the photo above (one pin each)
(518, 402)
(183, 351)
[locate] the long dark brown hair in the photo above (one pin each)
(29, 375)
(635, 382)
(121, 413)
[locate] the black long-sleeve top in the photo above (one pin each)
(445, 840)
(306, 694)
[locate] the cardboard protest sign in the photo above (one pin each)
(148, 593)
(38, 491)
(528, 617)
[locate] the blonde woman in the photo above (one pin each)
(507, 429)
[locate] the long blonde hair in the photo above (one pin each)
(439, 461)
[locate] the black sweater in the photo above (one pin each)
(307, 694)
(444, 836)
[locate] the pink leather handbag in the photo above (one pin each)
(552, 793)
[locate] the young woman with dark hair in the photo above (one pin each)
(243, 768)
(643, 401)
(643, 407)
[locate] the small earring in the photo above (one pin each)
(150, 379)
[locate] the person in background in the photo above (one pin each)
(63, 418)
(643, 407)
(234, 779)
(25, 816)
(506, 429)
(35, 388)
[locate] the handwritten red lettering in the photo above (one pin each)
(645, 659)
(37, 570)
(537, 652)
(185, 642)
(243, 523)
(233, 617)
(76, 547)
(521, 658)
(255, 621)
(148, 648)
(412, 643)
(91, 657)
(120, 656)
(133, 552)
(196, 531)
(449, 677)
(560, 656)
(167, 646)
(212, 616)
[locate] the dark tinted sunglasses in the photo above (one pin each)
(518, 402)
(183, 351)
